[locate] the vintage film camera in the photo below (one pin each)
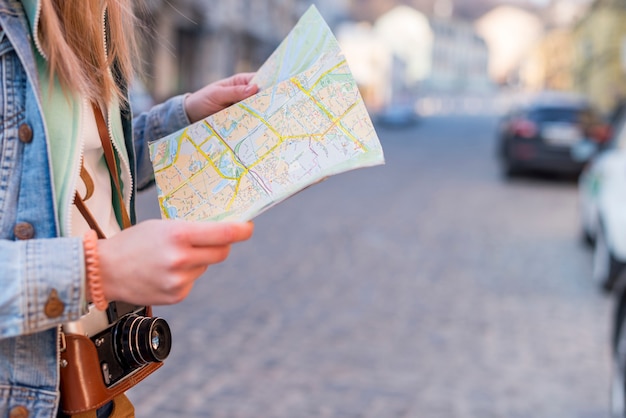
(105, 353)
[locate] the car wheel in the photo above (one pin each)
(507, 166)
(509, 171)
(606, 268)
(618, 383)
(587, 237)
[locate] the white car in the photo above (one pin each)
(602, 199)
(602, 191)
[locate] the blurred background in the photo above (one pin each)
(476, 274)
(402, 53)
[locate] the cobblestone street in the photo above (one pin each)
(426, 288)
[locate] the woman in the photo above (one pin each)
(60, 76)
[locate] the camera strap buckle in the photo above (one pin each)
(62, 342)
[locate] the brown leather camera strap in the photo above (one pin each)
(82, 208)
(109, 156)
(89, 184)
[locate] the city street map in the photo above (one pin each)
(307, 122)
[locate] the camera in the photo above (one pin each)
(105, 353)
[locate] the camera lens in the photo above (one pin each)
(140, 340)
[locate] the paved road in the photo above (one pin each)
(426, 288)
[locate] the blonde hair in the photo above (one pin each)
(72, 35)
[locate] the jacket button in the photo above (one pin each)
(24, 230)
(54, 306)
(19, 412)
(25, 133)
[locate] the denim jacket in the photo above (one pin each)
(42, 273)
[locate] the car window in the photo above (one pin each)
(587, 118)
(557, 115)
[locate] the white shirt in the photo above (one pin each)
(100, 204)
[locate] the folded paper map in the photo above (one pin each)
(307, 122)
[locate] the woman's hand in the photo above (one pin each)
(156, 262)
(219, 95)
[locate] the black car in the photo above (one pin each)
(552, 132)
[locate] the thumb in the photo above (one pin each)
(244, 91)
(228, 95)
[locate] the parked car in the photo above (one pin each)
(602, 198)
(602, 207)
(397, 116)
(552, 132)
(618, 357)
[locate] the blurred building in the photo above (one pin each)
(370, 61)
(600, 54)
(467, 10)
(564, 14)
(460, 59)
(548, 65)
(410, 54)
(193, 42)
(510, 33)
(408, 36)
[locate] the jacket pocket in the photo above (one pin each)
(33, 402)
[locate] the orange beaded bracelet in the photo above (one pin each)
(92, 265)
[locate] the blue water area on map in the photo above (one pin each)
(225, 132)
(173, 148)
(220, 186)
(172, 212)
(227, 167)
(195, 166)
